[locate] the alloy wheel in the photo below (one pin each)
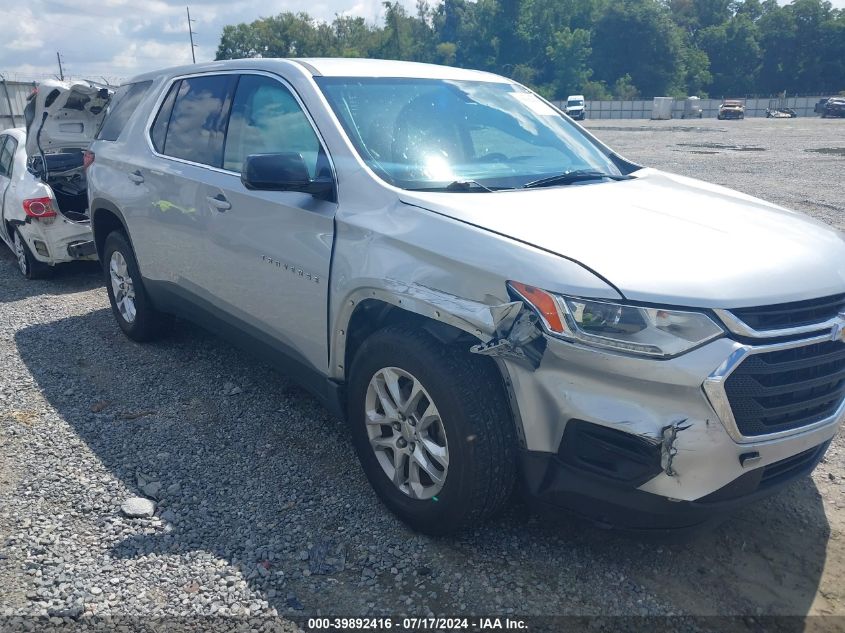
(20, 254)
(406, 433)
(122, 287)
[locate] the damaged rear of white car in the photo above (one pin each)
(42, 179)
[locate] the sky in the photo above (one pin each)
(116, 39)
(120, 38)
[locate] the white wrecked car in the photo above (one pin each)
(42, 176)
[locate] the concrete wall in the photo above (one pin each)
(18, 91)
(641, 108)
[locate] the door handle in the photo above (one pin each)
(137, 177)
(219, 202)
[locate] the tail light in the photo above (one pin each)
(87, 159)
(39, 207)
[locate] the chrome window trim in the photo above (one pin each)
(739, 327)
(714, 390)
(165, 88)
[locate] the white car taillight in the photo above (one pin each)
(39, 208)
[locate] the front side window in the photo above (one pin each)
(266, 119)
(428, 133)
(197, 124)
(122, 105)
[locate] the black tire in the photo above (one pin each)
(148, 323)
(31, 268)
(468, 393)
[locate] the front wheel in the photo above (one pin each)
(432, 429)
(30, 267)
(130, 303)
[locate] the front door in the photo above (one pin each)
(269, 252)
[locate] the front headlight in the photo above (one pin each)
(639, 330)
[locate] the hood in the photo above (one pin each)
(73, 111)
(666, 239)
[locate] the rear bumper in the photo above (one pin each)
(59, 241)
(553, 483)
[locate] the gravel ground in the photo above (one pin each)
(260, 507)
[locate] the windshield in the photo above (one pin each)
(575, 102)
(428, 133)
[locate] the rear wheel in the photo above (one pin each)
(30, 267)
(432, 428)
(130, 303)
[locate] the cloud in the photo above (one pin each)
(26, 36)
(120, 38)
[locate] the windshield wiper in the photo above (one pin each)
(466, 185)
(569, 177)
(459, 186)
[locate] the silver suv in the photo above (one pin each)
(487, 293)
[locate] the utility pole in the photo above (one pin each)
(61, 72)
(191, 34)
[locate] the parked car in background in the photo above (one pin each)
(780, 113)
(576, 107)
(44, 224)
(819, 107)
(834, 107)
(42, 176)
(485, 290)
(731, 109)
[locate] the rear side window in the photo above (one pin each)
(266, 119)
(121, 107)
(197, 124)
(7, 153)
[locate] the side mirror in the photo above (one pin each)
(284, 171)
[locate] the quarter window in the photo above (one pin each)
(122, 105)
(158, 133)
(7, 155)
(267, 119)
(197, 125)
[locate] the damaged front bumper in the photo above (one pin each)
(636, 443)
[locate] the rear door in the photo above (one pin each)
(268, 252)
(170, 221)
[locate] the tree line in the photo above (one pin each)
(600, 48)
